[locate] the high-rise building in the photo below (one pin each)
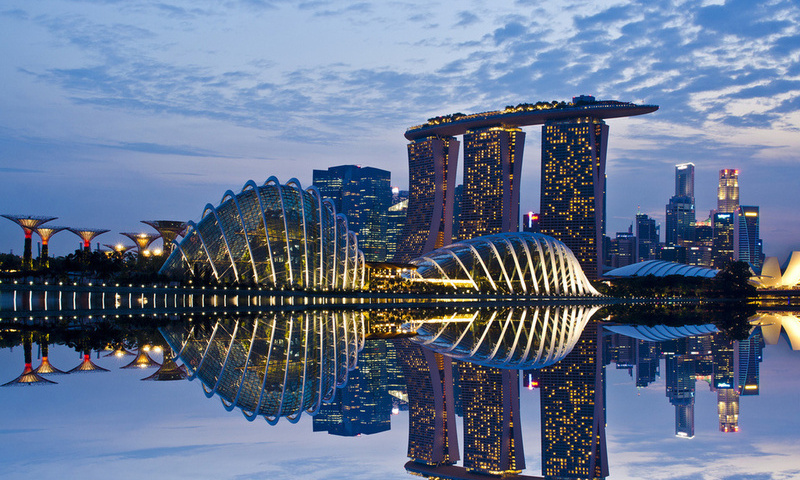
(746, 357)
(680, 221)
(492, 429)
(492, 170)
(680, 386)
(573, 412)
(432, 436)
(647, 236)
(623, 249)
(395, 222)
(432, 165)
(728, 191)
(684, 180)
(457, 202)
(723, 239)
(573, 187)
(363, 194)
(746, 244)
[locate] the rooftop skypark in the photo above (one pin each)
(527, 114)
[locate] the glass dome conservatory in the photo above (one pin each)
(272, 234)
(516, 263)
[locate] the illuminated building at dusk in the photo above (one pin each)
(492, 171)
(747, 246)
(573, 180)
(432, 165)
(363, 195)
(728, 191)
(573, 192)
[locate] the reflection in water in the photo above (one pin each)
(773, 324)
(515, 338)
(276, 365)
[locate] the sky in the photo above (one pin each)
(116, 111)
(112, 425)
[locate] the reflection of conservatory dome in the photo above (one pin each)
(521, 262)
(271, 234)
(276, 365)
(514, 338)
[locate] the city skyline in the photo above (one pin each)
(170, 103)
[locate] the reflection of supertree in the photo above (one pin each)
(516, 338)
(118, 350)
(142, 240)
(169, 370)
(274, 366)
(45, 368)
(87, 365)
(169, 231)
(87, 235)
(28, 224)
(45, 232)
(142, 359)
(28, 376)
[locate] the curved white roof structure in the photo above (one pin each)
(272, 234)
(771, 275)
(273, 366)
(511, 338)
(517, 263)
(660, 333)
(661, 268)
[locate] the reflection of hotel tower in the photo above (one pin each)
(432, 436)
(492, 430)
(573, 412)
(573, 187)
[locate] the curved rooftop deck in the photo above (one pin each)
(526, 114)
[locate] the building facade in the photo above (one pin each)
(573, 188)
(492, 170)
(728, 191)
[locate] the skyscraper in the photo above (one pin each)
(680, 221)
(573, 412)
(530, 222)
(680, 386)
(728, 191)
(723, 239)
(492, 429)
(746, 244)
(363, 194)
(684, 180)
(573, 187)
(728, 409)
(492, 169)
(647, 236)
(395, 223)
(432, 164)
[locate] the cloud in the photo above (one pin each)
(466, 19)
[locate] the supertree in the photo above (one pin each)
(169, 231)
(87, 235)
(28, 224)
(28, 376)
(46, 368)
(143, 240)
(45, 232)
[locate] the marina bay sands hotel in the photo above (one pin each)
(573, 190)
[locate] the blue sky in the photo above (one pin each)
(113, 112)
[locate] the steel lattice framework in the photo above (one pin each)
(512, 338)
(272, 366)
(272, 234)
(517, 263)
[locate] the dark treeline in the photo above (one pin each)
(82, 266)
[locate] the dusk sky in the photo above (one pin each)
(116, 111)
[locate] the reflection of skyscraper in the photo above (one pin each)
(573, 187)
(492, 168)
(432, 164)
(363, 406)
(680, 385)
(746, 357)
(432, 436)
(492, 431)
(573, 412)
(722, 351)
(728, 191)
(728, 408)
